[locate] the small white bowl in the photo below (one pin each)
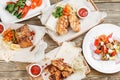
(84, 8)
(29, 70)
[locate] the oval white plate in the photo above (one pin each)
(7, 17)
(99, 65)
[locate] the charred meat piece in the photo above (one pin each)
(68, 69)
(23, 31)
(62, 25)
(65, 74)
(22, 35)
(25, 42)
(74, 22)
(52, 69)
(58, 63)
(52, 77)
(58, 70)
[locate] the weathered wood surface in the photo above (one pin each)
(16, 71)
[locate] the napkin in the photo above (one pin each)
(24, 54)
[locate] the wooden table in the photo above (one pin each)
(16, 71)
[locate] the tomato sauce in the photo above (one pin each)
(35, 70)
(83, 12)
(1, 28)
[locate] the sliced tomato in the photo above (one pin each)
(113, 53)
(97, 51)
(25, 11)
(104, 49)
(97, 42)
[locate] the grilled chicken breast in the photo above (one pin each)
(62, 25)
(74, 22)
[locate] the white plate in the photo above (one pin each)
(7, 17)
(24, 54)
(99, 65)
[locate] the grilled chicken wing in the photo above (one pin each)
(62, 25)
(58, 63)
(74, 22)
(58, 70)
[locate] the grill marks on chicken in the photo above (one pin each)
(65, 21)
(23, 35)
(74, 22)
(58, 70)
(62, 25)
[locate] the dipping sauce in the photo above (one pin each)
(35, 70)
(82, 12)
(1, 28)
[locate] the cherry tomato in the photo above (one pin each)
(113, 53)
(36, 3)
(33, 5)
(83, 12)
(35, 70)
(97, 51)
(39, 3)
(97, 42)
(1, 28)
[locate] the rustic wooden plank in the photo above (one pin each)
(110, 1)
(13, 74)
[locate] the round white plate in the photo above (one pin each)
(99, 65)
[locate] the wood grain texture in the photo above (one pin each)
(110, 1)
(16, 71)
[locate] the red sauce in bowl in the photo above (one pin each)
(35, 70)
(82, 12)
(1, 28)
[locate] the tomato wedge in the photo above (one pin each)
(113, 53)
(97, 51)
(97, 42)
(104, 49)
(25, 11)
